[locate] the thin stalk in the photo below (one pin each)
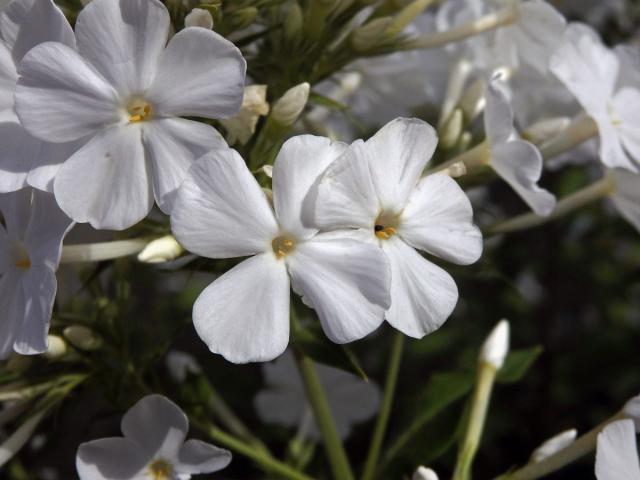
(585, 196)
(385, 410)
(97, 252)
(581, 129)
(478, 156)
(324, 419)
(457, 80)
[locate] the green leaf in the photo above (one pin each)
(517, 364)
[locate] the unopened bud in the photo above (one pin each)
(81, 337)
(554, 445)
(405, 16)
(457, 170)
(423, 473)
(632, 411)
(541, 131)
(451, 130)
(289, 107)
(56, 348)
(163, 249)
(199, 17)
(370, 34)
(242, 126)
(495, 348)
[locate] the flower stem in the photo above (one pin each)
(477, 417)
(385, 409)
(474, 158)
(581, 129)
(589, 194)
(97, 252)
(324, 419)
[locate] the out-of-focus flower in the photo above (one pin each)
(125, 92)
(284, 402)
(221, 212)
(375, 187)
(199, 17)
(30, 248)
(625, 195)
(617, 454)
(592, 73)
(423, 473)
(180, 364)
(554, 445)
(82, 337)
(153, 447)
(496, 346)
(254, 105)
(56, 347)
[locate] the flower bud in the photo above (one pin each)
(81, 337)
(56, 348)
(289, 107)
(495, 348)
(242, 126)
(541, 131)
(163, 249)
(199, 17)
(370, 34)
(451, 130)
(554, 445)
(423, 473)
(632, 411)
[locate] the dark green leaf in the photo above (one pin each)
(517, 364)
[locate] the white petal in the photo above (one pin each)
(244, 314)
(438, 219)
(301, 161)
(12, 304)
(50, 158)
(617, 454)
(19, 149)
(8, 77)
(16, 211)
(397, 155)
(46, 230)
(199, 74)
(39, 289)
(346, 195)
(124, 40)
(60, 97)
(627, 107)
(612, 152)
(498, 114)
(422, 294)
(174, 145)
(28, 23)
(107, 182)
(519, 164)
(5, 250)
(157, 425)
(110, 459)
(626, 197)
(196, 457)
(345, 281)
(221, 211)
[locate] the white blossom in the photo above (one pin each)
(496, 346)
(124, 91)
(242, 126)
(375, 188)
(199, 17)
(221, 212)
(617, 454)
(625, 195)
(153, 447)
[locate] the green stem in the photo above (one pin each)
(582, 128)
(97, 252)
(385, 409)
(318, 400)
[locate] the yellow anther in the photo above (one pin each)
(282, 246)
(139, 110)
(384, 233)
(160, 469)
(24, 263)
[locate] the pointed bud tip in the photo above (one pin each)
(496, 346)
(423, 473)
(289, 107)
(632, 411)
(554, 445)
(160, 250)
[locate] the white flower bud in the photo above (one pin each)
(546, 129)
(553, 445)
(180, 364)
(495, 348)
(632, 410)
(423, 473)
(242, 126)
(289, 107)
(81, 337)
(163, 249)
(199, 17)
(56, 348)
(370, 34)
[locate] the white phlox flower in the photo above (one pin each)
(30, 248)
(284, 401)
(221, 212)
(24, 159)
(516, 161)
(180, 364)
(242, 126)
(153, 447)
(625, 195)
(375, 188)
(124, 91)
(608, 94)
(617, 453)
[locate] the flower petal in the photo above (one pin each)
(46, 230)
(627, 107)
(8, 78)
(18, 151)
(438, 219)
(617, 454)
(123, 40)
(106, 182)
(111, 459)
(16, 211)
(50, 158)
(626, 196)
(244, 314)
(345, 281)
(519, 164)
(612, 152)
(60, 97)
(196, 457)
(498, 114)
(296, 171)
(12, 304)
(174, 145)
(200, 74)
(157, 425)
(397, 155)
(220, 211)
(422, 294)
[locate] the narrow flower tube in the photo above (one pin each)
(554, 445)
(97, 252)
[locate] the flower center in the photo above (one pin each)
(386, 226)
(283, 246)
(160, 469)
(21, 257)
(139, 110)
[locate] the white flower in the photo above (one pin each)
(553, 445)
(423, 473)
(284, 401)
(517, 162)
(25, 160)
(163, 249)
(376, 188)
(221, 212)
(30, 248)
(199, 17)
(153, 447)
(180, 364)
(625, 195)
(124, 92)
(617, 454)
(241, 127)
(592, 73)
(496, 346)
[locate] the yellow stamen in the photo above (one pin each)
(139, 110)
(384, 233)
(160, 469)
(24, 263)
(282, 246)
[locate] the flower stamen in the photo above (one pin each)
(160, 469)
(384, 233)
(282, 246)
(139, 110)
